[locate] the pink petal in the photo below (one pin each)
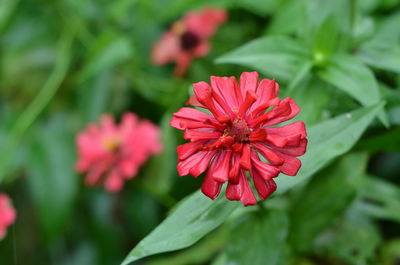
(202, 49)
(266, 91)
(188, 149)
(295, 128)
(200, 167)
(165, 50)
(183, 61)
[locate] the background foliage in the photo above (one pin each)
(64, 62)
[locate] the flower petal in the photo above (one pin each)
(264, 187)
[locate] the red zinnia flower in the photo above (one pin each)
(7, 214)
(188, 39)
(115, 153)
(238, 135)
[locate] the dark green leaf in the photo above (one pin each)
(380, 199)
(51, 176)
(324, 198)
(193, 218)
(257, 238)
(353, 239)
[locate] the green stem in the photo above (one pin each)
(33, 110)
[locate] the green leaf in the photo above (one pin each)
(383, 49)
(349, 74)
(258, 237)
(259, 7)
(379, 199)
(109, 50)
(313, 91)
(94, 96)
(324, 198)
(325, 41)
(277, 57)
(193, 218)
(161, 170)
(51, 179)
(358, 248)
(328, 140)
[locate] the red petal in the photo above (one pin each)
(267, 171)
(204, 96)
(188, 114)
(290, 166)
(235, 167)
(264, 187)
(293, 150)
(286, 110)
(248, 197)
(184, 166)
(266, 90)
(221, 173)
(224, 87)
(197, 136)
(277, 140)
(200, 167)
(250, 98)
(269, 154)
(245, 161)
(210, 187)
(188, 149)
(295, 128)
(248, 81)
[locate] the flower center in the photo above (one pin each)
(189, 40)
(111, 144)
(238, 129)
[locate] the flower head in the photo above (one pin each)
(238, 138)
(112, 153)
(188, 38)
(7, 214)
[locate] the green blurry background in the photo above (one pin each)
(65, 62)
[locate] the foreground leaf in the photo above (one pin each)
(193, 218)
(328, 140)
(260, 237)
(326, 197)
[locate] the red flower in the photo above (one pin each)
(188, 39)
(115, 153)
(7, 214)
(238, 136)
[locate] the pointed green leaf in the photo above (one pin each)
(328, 140)
(193, 218)
(324, 198)
(277, 57)
(257, 238)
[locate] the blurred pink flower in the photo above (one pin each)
(112, 153)
(7, 214)
(188, 38)
(238, 134)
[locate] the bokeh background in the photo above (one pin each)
(63, 63)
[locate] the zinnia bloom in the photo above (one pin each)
(238, 138)
(188, 38)
(7, 214)
(112, 153)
